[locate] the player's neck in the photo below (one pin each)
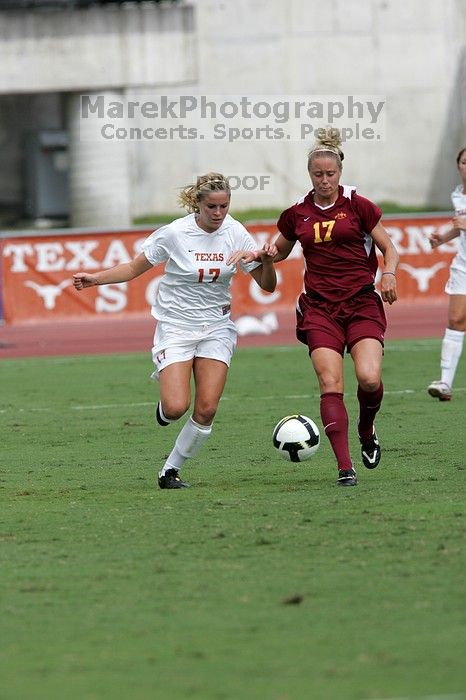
(325, 202)
(206, 226)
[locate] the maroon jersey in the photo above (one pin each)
(338, 251)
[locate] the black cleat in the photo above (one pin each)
(347, 478)
(172, 480)
(371, 452)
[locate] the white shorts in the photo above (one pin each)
(174, 343)
(456, 282)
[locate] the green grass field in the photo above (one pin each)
(264, 580)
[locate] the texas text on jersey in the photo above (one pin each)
(194, 291)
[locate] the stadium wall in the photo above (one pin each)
(409, 54)
(37, 268)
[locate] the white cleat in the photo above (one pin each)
(440, 390)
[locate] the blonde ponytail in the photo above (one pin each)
(327, 141)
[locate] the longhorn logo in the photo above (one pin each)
(251, 325)
(48, 292)
(423, 275)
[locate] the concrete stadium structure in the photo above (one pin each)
(409, 53)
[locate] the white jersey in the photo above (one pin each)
(459, 204)
(195, 289)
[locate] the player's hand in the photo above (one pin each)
(435, 239)
(81, 280)
(388, 288)
(459, 222)
(246, 256)
(268, 252)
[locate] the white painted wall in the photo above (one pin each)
(97, 47)
(64, 53)
(412, 51)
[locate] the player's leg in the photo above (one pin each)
(175, 391)
(367, 357)
(365, 331)
(318, 327)
(328, 366)
(452, 343)
(172, 354)
(213, 353)
(175, 399)
(210, 370)
(452, 347)
(210, 377)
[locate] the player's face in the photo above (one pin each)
(213, 208)
(462, 166)
(325, 175)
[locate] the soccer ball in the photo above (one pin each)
(296, 438)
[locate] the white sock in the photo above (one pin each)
(190, 439)
(452, 346)
(158, 409)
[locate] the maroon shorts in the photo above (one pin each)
(339, 325)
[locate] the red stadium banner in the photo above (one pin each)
(38, 269)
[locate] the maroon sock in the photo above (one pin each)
(369, 404)
(335, 422)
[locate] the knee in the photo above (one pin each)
(457, 322)
(369, 381)
(329, 382)
(368, 374)
(173, 409)
(369, 386)
(205, 413)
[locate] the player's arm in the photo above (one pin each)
(120, 273)
(438, 238)
(390, 258)
(459, 223)
(284, 248)
(264, 275)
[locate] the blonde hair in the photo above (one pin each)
(327, 141)
(191, 195)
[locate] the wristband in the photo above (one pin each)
(389, 273)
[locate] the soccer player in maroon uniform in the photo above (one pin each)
(339, 308)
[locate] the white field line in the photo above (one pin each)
(454, 696)
(144, 404)
(416, 345)
(105, 406)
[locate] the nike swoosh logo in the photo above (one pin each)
(307, 218)
(370, 458)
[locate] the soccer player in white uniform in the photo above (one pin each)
(452, 344)
(194, 334)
